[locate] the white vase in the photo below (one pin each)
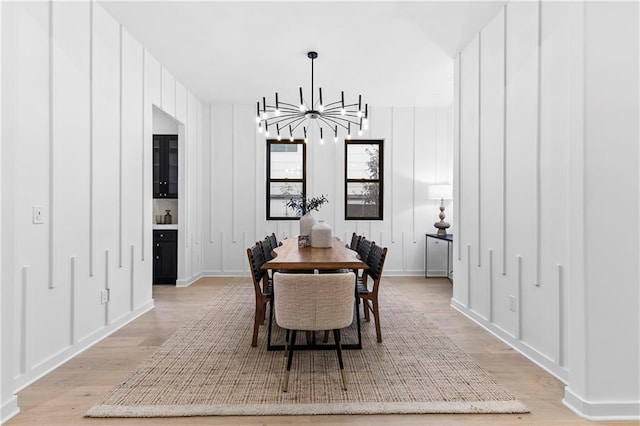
(306, 223)
(321, 235)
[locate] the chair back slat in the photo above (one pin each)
(274, 240)
(256, 260)
(267, 249)
(364, 249)
(375, 262)
(355, 240)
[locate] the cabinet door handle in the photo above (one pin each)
(157, 245)
(161, 235)
(157, 257)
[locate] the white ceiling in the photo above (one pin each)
(393, 53)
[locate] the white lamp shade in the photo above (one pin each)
(440, 192)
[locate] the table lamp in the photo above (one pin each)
(440, 192)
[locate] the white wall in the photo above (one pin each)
(418, 150)
(546, 124)
(77, 96)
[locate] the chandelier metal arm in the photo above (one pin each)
(300, 121)
(342, 117)
(296, 107)
(286, 120)
(324, 120)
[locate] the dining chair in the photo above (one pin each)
(274, 240)
(267, 248)
(364, 247)
(305, 302)
(262, 287)
(355, 242)
(370, 296)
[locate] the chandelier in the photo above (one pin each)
(286, 118)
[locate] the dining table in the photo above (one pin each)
(290, 257)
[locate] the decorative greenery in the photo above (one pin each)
(304, 205)
(371, 190)
(286, 190)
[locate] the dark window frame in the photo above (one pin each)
(379, 181)
(271, 142)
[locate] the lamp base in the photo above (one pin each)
(442, 228)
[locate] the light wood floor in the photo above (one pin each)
(63, 396)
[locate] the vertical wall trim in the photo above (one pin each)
(183, 149)
(479, 180)
(504, 145)
(221, 251)
(72, 302)
(91, 161)
(25, 362)
(391, 175)
(518, 300)
(490, 292)
(120, 224)
(413, 180)
(51, 155)
(404, 258)
(106, 286)
(468, 276)
(233, 173)
(132, 302)
(538, 145)
(211, 175)
(459, 211)
(142, 141)
(560, 351)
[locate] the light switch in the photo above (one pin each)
(38, 214)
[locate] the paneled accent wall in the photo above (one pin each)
(418, 150)
(512, 179)
(77, 101)
(525, 260)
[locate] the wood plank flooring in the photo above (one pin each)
(64, 395)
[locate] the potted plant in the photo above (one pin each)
(303, 206)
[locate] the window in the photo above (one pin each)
(286, 177)
(363, 171)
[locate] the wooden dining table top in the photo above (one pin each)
(289, 256)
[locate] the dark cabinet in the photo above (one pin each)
(165, 166)
(165, 256)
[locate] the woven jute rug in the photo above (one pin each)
(208, 368)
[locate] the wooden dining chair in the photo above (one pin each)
(262, 287)
(369, 295)
(316, 302)
(355, 242)
(364, 247)
(267, 248)
(274, 240)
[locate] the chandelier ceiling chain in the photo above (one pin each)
(285, 116)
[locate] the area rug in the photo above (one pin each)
(208, 368)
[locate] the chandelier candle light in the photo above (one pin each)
(286, 117)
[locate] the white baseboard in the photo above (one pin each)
(601, 410)
(230, 274)
(9, 409)
(188, 281)
(70, 352)
(532, 354)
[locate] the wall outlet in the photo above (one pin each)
(104, 296)
(38, 214)
(512, 303)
